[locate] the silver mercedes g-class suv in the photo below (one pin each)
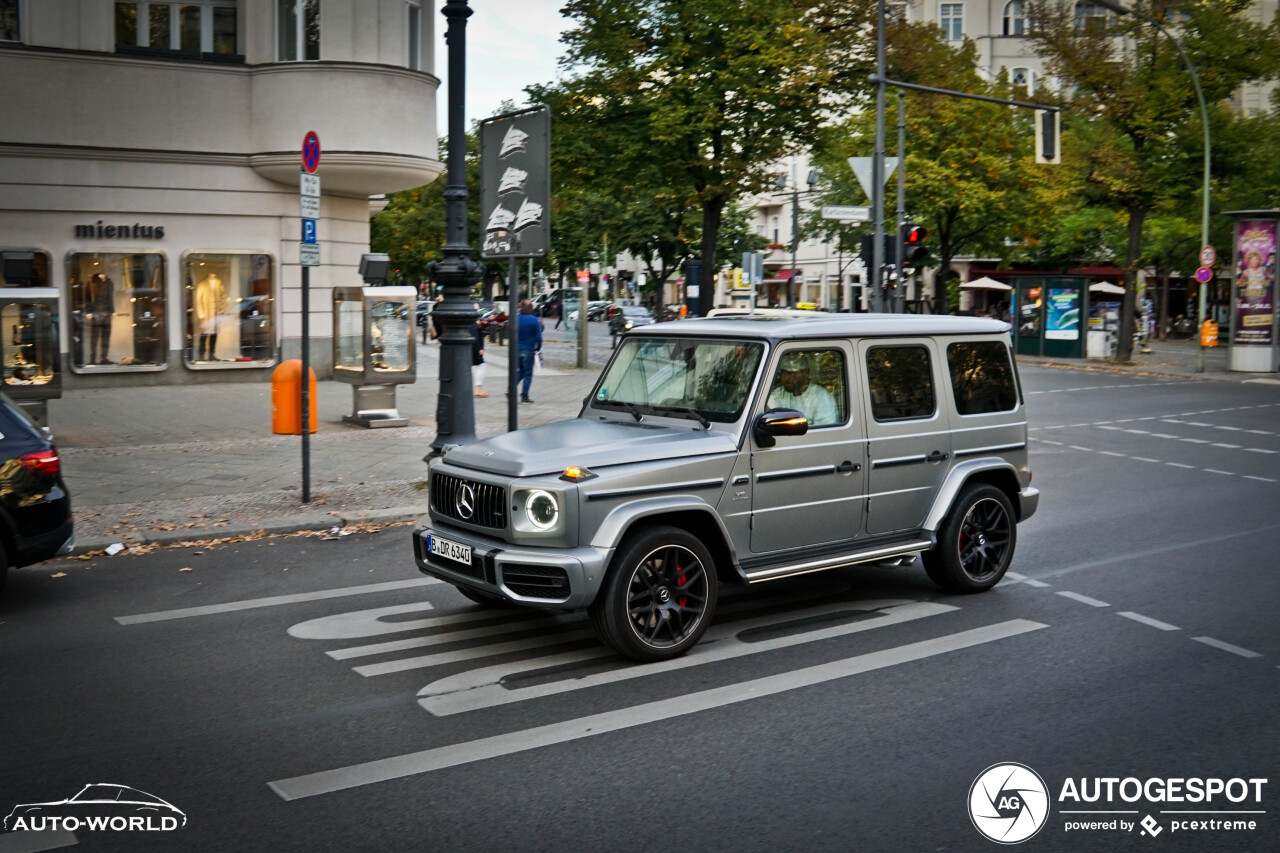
(737, 451)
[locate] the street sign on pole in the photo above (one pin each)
(1208, 256)
(846, 213)
(311, 151)
(308, 231)
(309, 254)
(309, 195)
(1204, 275)
(515, 184)
(862, 171)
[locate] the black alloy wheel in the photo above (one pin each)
(659, 596)
(975, 543)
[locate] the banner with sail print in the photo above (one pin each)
(515, 184)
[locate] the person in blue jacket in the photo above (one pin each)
(530, 330)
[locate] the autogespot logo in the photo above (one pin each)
(1008, 803)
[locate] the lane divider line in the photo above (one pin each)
(1147, 620)
(1083, 599)
(1227, 647)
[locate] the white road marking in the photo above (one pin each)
(1118, 429)
(474, 652)
(1163, 435)
(484, 688)
(1078, 447)
(1111, 453)
(1227, 647)
(1144, 459)
(1231, 428)
(1180, 465)
(273, 601)
(1138, 431)
(1260, 450)
(1259, 479)
(1196, 440)
(426, 761)
(454, 636)
(33, 842)
(1084, 599)
(1037, 584)
(1216, 471)
(1227, 446)
(1147, 620)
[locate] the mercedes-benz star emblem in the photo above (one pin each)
(466, 502)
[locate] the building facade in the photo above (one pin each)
(149, 176)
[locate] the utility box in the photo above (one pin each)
(373, 350)
(29, 348)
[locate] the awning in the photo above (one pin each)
(985, 283)
(1104, 287)
(782, 276)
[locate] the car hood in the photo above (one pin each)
(547, 449)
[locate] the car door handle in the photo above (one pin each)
(936, 456)
(848, 467)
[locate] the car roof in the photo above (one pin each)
(828, 325)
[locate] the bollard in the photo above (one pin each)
(286, 398)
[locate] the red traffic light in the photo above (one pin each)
(916, 234)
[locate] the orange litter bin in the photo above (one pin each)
(1209, 334)
(286, 398)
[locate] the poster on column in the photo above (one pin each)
(1255, 283)
(1062, 314)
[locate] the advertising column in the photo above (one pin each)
(1253, 316)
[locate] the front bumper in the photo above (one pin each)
(567, 578)
(1028, 500)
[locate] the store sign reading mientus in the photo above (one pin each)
(136, 231)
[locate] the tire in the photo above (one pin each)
(484, 599)
(975, 543)
(659, 596)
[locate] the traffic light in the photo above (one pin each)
(1048, 138)
(913, 248)
(890, 250)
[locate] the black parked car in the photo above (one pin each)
(35, 508)
(628, 318)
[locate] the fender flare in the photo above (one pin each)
(622, 518)
(956, 478)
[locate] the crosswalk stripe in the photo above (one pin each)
(426, 761)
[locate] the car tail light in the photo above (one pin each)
(43, 462)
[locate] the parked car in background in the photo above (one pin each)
(629, 317)
(493, 321)
(35, 507)
(596, 310)
(667, 313)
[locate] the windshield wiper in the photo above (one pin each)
(630, 407)
(686, 410)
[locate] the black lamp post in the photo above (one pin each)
(455, 408)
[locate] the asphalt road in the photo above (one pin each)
(285, 698)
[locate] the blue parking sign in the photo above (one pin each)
(308, 230)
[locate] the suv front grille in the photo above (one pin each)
(449, 497)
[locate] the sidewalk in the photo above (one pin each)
(168, 464)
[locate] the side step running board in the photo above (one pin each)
(898, 549)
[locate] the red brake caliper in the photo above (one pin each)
(680, 582)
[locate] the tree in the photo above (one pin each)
(1129, 76)
(709, 93)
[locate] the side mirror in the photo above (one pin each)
(776, 422)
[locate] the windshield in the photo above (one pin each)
(636, 312)
(655, 376)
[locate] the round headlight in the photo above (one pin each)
(542, 509)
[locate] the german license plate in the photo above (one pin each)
(450, 550)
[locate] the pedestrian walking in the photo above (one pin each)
(530, 335)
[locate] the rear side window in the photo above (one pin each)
(900, 383)
(982, 377)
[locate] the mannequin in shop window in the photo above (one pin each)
(99, 310)
(210, 302)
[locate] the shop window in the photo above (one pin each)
(298, 29)
(117, 307)
(10, 20)
(37, 276)
(28, 330)
(900, 383)
(230, 309)
(194, 27)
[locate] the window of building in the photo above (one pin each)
(196, 26)
(951, 19)
(900, 382)
(812, 381)
(414, 30)
(230, 309)
(1023, 77)
(10, 20)
(982, 377)
(1091, 19)
(28, 330)
(298, 29)
(117, 305)
(1015, 18)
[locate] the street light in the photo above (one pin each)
(455, 408)
(812, 181)
(1208, 155)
